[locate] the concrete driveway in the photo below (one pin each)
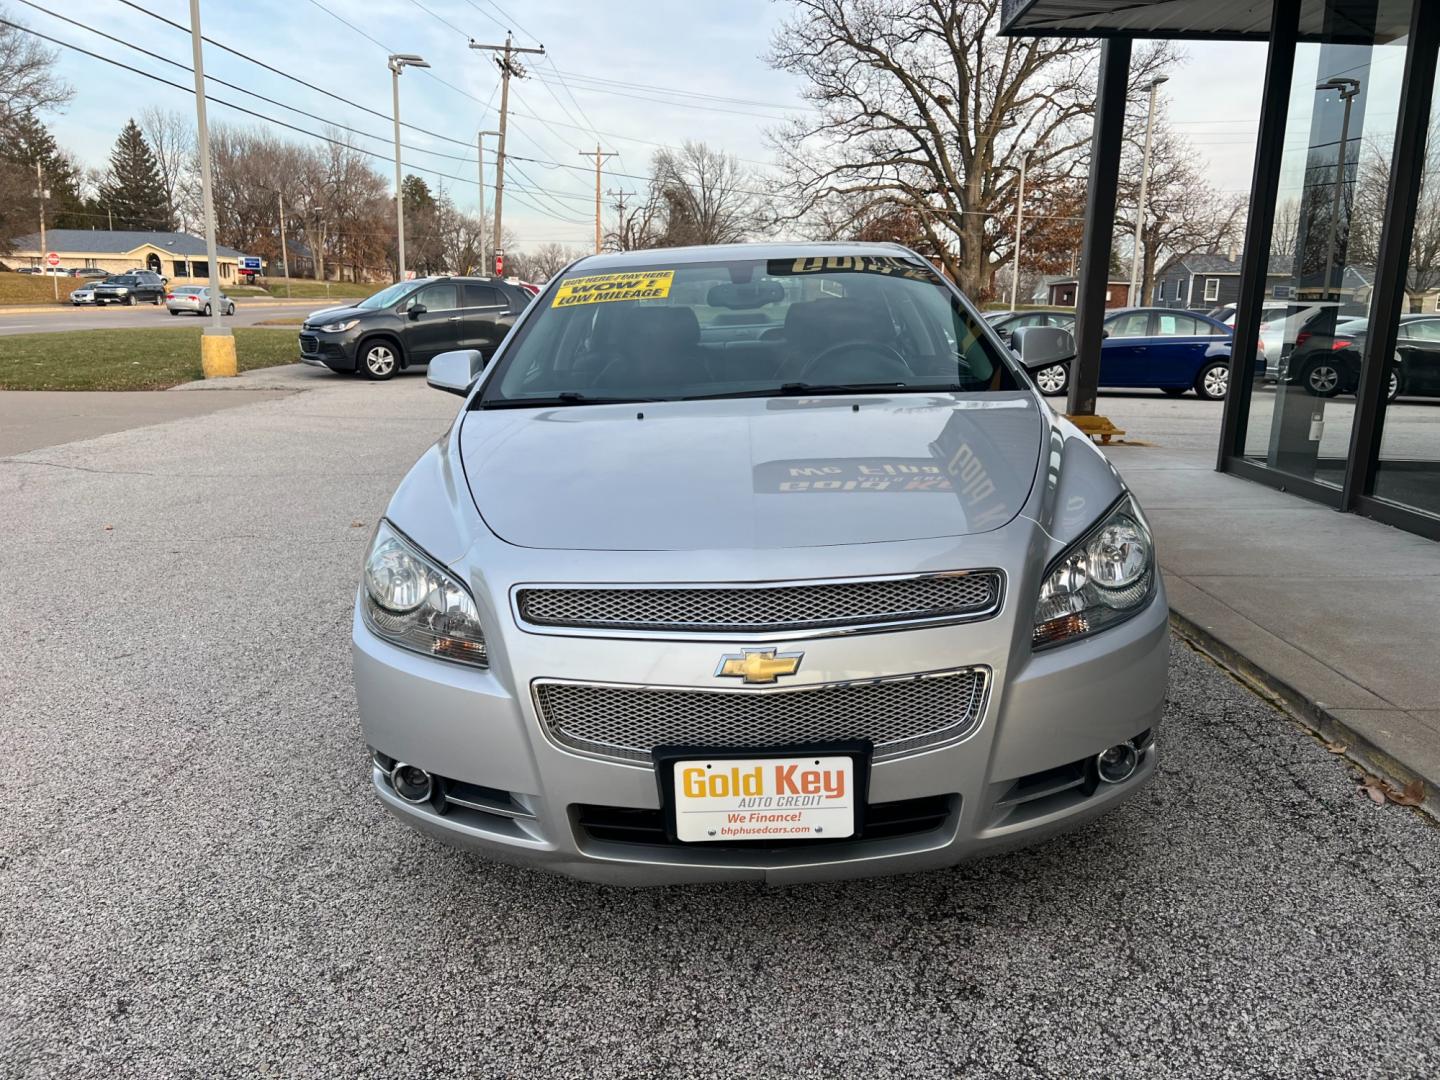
(197, 881)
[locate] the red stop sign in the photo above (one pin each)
(53, 259)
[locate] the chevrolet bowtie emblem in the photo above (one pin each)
(759, 665)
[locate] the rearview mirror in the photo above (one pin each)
(1042, 346)
(455, 371)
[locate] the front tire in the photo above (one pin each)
(1321, 378)
(1054, 380)
(378, 361)
(1213, 382)
(129, 301)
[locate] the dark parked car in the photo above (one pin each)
(1165, 348)
(1327, 355)
(131, 288)
(410, 322)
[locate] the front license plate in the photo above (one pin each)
(724, 800)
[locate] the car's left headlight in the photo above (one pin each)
(1100, 580)
(410, 600)
(339, 327)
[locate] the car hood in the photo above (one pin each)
(752, 472)
(333, 314)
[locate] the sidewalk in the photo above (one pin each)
(1332, 613)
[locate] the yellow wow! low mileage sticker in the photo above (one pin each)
(604, 288)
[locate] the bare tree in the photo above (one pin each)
(1184, 214)
(1371, 191)
(637, 222)
(172, 140)
(545, 261)
(706, 195)
(918, 104)
(27, 77)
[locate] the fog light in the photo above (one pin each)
(1117, 764)
(411, 783)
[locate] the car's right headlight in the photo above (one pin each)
(339, 327)
(1100, 580)
(410, 600)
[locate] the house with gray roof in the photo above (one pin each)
(174, 255)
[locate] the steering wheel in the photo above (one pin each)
(893, 364)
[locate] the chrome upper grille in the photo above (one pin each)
(899, 715)
(759, 609)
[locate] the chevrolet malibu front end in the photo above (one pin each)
(756, 563)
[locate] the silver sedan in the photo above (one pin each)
(196, 300)
(757, 562)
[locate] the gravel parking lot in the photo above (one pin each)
(195, 880)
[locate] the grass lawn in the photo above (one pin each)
(315, 290)
(128, 359)
(35, 289)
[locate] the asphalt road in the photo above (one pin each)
(113, 317)
(197, 882)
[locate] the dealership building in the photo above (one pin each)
(174, 255)
(1347, 172)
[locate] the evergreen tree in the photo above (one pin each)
(23, 142)
(133, 191)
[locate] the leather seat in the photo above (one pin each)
(659, 349)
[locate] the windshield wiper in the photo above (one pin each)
(804, 389)
(567, 397)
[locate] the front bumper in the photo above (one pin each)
(334, 351)
(1022, 774)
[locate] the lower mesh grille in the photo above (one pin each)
(898, 716)
(758, 609)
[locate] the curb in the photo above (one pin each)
(1360, 749)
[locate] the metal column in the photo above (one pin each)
(1099, 224)
(1264, 184)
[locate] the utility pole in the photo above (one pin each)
(1347, 89)
(41, 192)
(217, 344)
(398, 63)
(1019, 220)
(480, 153)
(508, 67)
(1136, 278)
(600, 155)
(284, 251)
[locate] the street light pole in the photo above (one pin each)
(398, 63)
(1136, 278)
(1019, 220)
(217, 345)
(480, 153)
(1347, 88)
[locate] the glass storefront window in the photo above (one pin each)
(1408, 469)
(1340, 130)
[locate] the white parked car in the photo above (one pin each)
(85, 294)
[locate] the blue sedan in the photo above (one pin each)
(1163, 348)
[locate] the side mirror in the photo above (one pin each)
(455, 371)
(1042, 346)
(416, 310)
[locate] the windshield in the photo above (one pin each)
(386, 297)
(744, 328)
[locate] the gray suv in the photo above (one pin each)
(410, 322)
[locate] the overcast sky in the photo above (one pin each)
(707, 49)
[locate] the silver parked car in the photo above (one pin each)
(757, 562)
(196, 300)
(85, 294)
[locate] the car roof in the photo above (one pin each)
(619, 260)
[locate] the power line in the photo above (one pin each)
(233, 86)
(247, 111)
(277, 71)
